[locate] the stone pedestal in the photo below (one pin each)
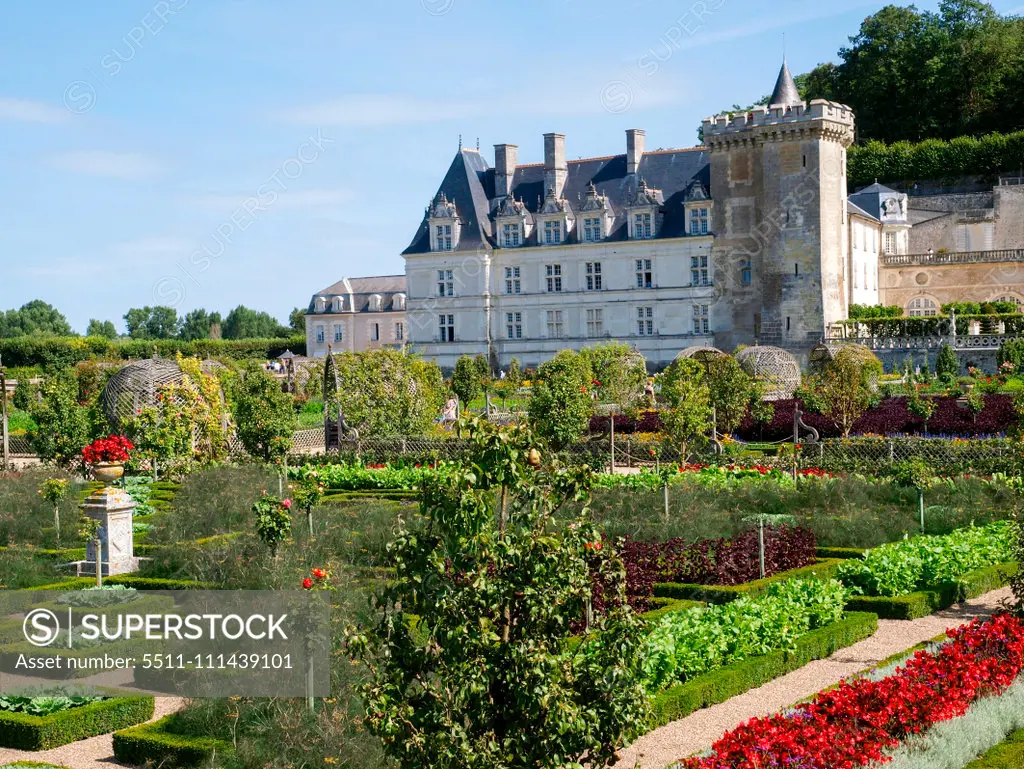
(114, 509)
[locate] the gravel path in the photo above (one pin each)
(699, 730)
(93, 753)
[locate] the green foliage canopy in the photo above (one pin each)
(561, 403)
(485, 679)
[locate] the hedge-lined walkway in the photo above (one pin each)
(93, 753)
(699, 730)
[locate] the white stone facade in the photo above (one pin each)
(357, 314)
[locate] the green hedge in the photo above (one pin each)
(145, 604)
(904, 161)
(925, 602)
(844, 553)
(1008, 754)
(64, 351)
(662, 606)
(128, 580)
(152, 742)
(24, 732)
(735, 679)
(822, 569)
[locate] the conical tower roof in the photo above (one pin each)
(785, 93)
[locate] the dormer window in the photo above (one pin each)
(511, 222)
(398, 302)
(444, 237)
(320, 304)
(337, 304)
(643, 207)
(643, 228)
(700, 220)
(510, 235)
(375, 303)
(443, 220)
(595, 213)
(554, 221)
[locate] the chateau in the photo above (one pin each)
(750, 238)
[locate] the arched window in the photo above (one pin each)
(922, 306)
(321, 304)
(337, 304)
(375, 303)
(1018, 301)
(398, 302)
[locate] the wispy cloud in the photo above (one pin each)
(283, 199)
(119, 165)
(150, 246)
(372, 110)
(29, 111)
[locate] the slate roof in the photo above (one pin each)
(853, 208)
(361, 289)
(786, 93)
(870, 199)
(469, 183)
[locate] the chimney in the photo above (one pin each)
(636, 140)
(555, 169)
(506, 156)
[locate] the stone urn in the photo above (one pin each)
(107, 472)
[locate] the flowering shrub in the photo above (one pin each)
(319, 580)
(921, 562)
(114, 448)
(855, 723)
(688, 643)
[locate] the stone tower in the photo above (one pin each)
(778, 180)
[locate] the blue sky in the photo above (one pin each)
(299, 142)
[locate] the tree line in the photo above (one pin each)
(911, 75)
(37, 317)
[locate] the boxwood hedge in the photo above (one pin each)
(731, 680)
(925, 602)
(24, 732)
(822, 569)
(152, 742)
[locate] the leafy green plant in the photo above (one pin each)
(688, 398)
(696, 641)
(43, 705)
(731, 391)
(264, 418)
(273, 521)
(921, 562)
(54, 490)
(61, 423)
(466, 380)
(309, 493)
(484, 679)
(95, 597)
(561, 403)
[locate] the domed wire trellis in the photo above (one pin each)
(776, 368)
(826, 352)
(135, 387)
(703, 355)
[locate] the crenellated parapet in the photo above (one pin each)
(821, 119)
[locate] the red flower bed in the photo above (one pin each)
(853, 724)
(114, 448)
(725, 561)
